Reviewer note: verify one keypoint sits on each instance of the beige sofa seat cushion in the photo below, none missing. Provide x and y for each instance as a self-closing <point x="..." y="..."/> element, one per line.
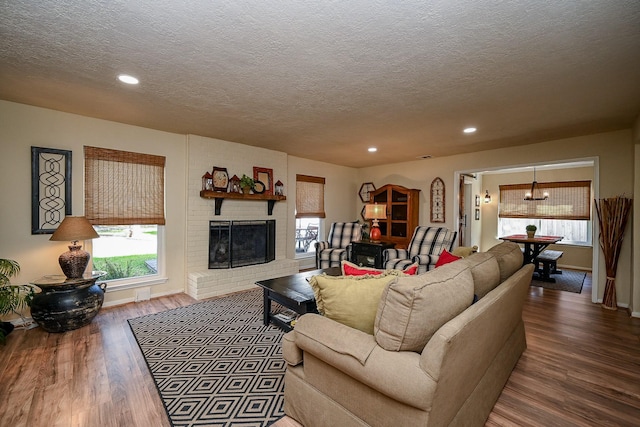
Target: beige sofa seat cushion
<point x="350" y="300"/>
<point x="485" y="271"/>
<point x="509" y="257"/>
<point x="413" y="308"/>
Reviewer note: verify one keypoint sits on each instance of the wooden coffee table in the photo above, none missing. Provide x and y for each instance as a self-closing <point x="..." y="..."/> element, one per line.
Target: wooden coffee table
<point x="292" y="292"/>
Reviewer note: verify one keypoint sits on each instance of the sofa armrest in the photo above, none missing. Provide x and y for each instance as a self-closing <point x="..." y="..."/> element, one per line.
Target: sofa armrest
<point x="320" y="332"/>
<point x="291" y="353"/>
<point x="321" y="246"/>
<point x="426" y="262"/>
<point x="396" y="374"/>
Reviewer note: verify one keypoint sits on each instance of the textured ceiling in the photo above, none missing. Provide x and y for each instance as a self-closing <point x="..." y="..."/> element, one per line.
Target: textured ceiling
<point x="327" y="79"/>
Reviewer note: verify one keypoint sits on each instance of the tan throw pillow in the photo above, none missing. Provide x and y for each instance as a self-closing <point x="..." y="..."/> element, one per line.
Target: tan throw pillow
<point x="485" y="272"/>
<point x="509" y="257"/>
<point x="352" y="301"/>
<point x="464" y="251"/>
<point x="413" y="308"/>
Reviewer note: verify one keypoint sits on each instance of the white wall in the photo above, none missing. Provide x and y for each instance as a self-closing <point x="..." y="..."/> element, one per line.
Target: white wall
<point x="23" y="126"/>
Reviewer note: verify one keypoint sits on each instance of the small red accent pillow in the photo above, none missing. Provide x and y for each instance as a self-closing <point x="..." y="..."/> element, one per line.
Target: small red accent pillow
<point x="446" y="258"/>
<point x="351" y="269"/>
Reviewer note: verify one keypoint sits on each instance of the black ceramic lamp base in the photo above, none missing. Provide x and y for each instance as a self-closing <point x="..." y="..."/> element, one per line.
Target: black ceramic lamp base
<point x="74" y="262"/>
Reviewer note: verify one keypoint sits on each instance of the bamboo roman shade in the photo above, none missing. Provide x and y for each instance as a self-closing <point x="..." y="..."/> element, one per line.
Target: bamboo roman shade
<point x="123" y="188"/>
<point x="567" y="200"/>
<point x="309" y="197"/>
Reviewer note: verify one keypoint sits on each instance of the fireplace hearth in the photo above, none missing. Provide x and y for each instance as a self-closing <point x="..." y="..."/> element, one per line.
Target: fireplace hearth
<point x="241" y="243"/>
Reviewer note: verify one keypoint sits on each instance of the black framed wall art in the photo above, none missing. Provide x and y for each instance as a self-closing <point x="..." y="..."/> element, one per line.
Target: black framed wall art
<point x="50" y="188"/>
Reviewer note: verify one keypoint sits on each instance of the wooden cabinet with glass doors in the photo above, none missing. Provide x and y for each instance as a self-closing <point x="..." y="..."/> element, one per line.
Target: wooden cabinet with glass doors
<point x="403" y="213"/>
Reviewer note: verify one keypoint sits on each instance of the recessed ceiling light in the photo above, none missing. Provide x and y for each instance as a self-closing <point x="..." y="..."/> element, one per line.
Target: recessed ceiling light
<point x="372" y="149"/>
<point x="469" y="130"/>
<point x="426" y="156"/>
<point x="130" y="80"/>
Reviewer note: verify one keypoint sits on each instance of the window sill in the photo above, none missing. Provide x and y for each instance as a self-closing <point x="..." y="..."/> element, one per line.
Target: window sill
<point x="133" y="283"/>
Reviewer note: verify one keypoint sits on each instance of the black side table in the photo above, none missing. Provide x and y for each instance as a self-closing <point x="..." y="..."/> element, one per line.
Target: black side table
<point x="368" y="253"/>
<point x="66" y="304"/>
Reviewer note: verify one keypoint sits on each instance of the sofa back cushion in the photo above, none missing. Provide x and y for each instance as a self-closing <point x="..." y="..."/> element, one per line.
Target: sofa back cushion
<point x="509" y="257"/>
<point x="350" y="300"/>
<point x="485" y="271"/>
<point x="413" y="308"/>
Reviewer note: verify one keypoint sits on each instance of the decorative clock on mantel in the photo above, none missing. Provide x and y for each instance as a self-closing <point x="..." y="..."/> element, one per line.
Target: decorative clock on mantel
<point x="220" y="179"/>
<point x="437" y="200"/>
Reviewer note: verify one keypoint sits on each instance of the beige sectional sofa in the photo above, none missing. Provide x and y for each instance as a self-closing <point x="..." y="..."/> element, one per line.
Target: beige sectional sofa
<point x="434" y="359"/>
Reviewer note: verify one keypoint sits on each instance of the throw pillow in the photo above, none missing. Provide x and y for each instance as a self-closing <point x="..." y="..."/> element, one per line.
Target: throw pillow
<point x="413" y="308"/>
<point x="464" y="251"/>
<point x="352" y="301"/>
<point x="446" y="258"/>
<point x="351" y="269"/>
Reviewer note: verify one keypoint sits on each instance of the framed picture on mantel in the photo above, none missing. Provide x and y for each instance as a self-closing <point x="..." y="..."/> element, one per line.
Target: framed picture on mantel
<point x="265" y="176"/>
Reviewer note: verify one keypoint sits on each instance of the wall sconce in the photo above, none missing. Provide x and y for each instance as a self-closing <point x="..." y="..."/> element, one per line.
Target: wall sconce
<point x="487" y="197"/>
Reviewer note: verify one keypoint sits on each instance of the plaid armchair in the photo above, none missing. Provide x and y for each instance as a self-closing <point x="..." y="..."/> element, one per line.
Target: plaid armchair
<point x="338" y="245"/>
<point x="425" y="248"/>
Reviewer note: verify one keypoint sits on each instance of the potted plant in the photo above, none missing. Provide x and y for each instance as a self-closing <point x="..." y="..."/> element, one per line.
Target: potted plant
<point x="531" y="230"/>
<point x="246" y="183"/>
<point x="12" y="297"/>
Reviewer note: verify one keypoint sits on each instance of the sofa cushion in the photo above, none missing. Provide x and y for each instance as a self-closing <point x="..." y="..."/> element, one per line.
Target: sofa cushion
<point x="351" y="269"/>
<point x="350" y="300"/>
<point x="509" y="257"/>
<point x="445" y="258"/>
<point x="413" y="308"/>
<point x="485" y="272"/>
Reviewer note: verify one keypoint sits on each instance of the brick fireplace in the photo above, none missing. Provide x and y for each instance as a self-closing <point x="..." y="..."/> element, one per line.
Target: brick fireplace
<point x="203" y="154"/>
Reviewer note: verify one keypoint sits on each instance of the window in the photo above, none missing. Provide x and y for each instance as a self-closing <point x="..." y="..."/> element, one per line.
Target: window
<point x="567" y="200"/>
<point x="309" y="211"/>
<point x="124" y="200"/>
<point x="574" y="232"/>
<point x="309" y="197"/>
<point x="567" y="211"/>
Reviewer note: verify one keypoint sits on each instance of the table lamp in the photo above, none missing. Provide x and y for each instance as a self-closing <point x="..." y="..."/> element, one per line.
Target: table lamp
<point x="75" y="260"/>
<point x="375" y="212"/>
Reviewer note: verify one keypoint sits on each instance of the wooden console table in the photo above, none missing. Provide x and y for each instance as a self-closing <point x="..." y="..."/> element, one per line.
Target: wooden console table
<point x="219" y="196"/>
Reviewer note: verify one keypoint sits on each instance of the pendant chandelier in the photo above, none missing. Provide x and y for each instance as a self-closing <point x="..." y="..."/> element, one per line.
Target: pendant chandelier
<point x="535" y="193"/>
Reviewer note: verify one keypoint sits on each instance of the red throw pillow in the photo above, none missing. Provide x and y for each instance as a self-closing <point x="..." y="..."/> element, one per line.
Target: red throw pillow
<point x="411" y="270"/>
<point x="446" y="258"/>
<point x="351" y="269"/>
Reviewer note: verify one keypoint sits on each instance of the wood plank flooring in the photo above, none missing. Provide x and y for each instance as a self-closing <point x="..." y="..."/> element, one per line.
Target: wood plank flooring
<point x="581" y="368"/>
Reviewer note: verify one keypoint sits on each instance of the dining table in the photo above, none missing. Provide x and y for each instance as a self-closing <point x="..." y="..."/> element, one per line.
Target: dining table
<point x="533" y="246"/>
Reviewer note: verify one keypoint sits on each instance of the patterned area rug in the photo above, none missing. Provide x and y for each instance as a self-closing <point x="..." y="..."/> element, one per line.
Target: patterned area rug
<point x="570" y="281"/>
<point x="215" y="363"/>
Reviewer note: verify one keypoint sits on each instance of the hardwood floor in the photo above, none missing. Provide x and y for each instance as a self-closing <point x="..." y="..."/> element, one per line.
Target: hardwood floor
<point x="581" y="368"/>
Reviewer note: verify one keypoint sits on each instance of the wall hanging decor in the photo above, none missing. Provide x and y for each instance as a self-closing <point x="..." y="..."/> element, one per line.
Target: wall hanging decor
<point x="50" y="188"/>
<point x="437" y="200"/>
<point x="365" y="190"/>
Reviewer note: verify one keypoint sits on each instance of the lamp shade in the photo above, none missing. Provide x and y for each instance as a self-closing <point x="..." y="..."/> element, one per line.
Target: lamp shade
<point x="74" y="228"/>
<point x="375" y="211"/>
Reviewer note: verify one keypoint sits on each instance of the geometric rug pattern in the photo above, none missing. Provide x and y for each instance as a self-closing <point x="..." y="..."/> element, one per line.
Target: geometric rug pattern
<point x="569" y="280"/>
<point x="215" y="363"/>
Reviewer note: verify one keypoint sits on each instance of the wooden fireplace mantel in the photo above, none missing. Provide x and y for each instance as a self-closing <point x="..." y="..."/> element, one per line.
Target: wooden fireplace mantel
<point x="219" y="196"/>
